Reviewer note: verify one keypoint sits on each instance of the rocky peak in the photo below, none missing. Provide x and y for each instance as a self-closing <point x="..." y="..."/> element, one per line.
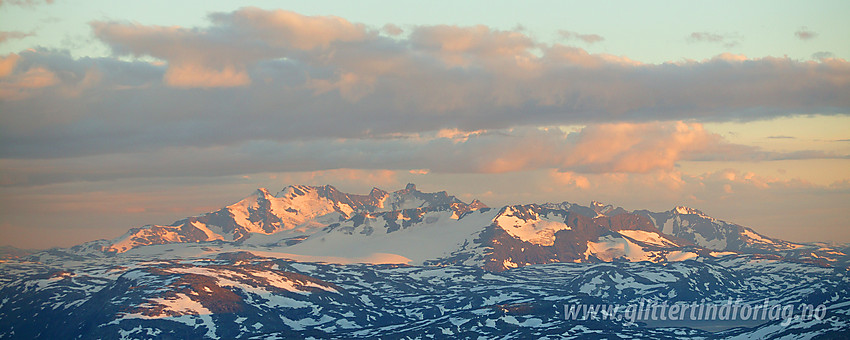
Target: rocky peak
<point x="476" y="204"/>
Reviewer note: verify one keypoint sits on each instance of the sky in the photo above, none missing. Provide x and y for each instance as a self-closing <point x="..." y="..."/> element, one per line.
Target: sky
<point x="113" y="116"/>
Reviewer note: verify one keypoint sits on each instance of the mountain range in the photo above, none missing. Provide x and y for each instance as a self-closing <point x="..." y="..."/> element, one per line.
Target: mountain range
<point x="413" y="227"/>
<point x="314" y="262"/>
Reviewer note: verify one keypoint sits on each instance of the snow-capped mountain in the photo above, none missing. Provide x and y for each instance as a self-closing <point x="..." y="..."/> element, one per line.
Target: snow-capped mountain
<point x="296" y="208"/>
<point x="708" y="232"/>
<point x="413" y="227"/>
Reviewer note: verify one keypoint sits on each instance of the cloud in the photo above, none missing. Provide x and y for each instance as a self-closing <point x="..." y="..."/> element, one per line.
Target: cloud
<point x="774" y="207"/>
<point x="25" y="3"/>
<point x="356" y="177"/>
<point x="280" y="77"/>
<point x="392" y="30"/>
<point x="290" y="30"/>
<point x="605" y="148"/>
<point x="727" y="40"/>
<point x="9" y="35"/>
<point x="7" y="64"/>
<point x="195" y="59"/>
<point x="781" y="137"/>
<point x="569" y="178"/>
<point x="587" y="38"/>
<point x="823" y="55"/>
<point x="476" y="45"/>
<point x="26" y="85"/>
<point x="805" y="34"/>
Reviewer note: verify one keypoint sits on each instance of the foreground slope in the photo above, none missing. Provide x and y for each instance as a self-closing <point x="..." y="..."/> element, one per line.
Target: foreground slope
<point x="240" y="295"/>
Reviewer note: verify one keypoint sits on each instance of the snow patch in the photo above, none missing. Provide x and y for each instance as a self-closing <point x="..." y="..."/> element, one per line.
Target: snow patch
<point x="647" y="237"/>
<point x="540" y="230"/>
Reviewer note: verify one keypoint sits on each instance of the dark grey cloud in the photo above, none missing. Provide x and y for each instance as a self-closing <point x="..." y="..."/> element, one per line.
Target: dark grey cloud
<point x="781" y="137"/>
<point x="822" y="55"/>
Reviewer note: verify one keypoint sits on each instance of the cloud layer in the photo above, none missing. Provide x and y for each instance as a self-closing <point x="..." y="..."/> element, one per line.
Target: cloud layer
<point x="596" y="149"/>
<point x="256" y="75"/>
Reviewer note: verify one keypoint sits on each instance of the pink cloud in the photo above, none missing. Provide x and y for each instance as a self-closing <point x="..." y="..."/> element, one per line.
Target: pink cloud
<point x="292" y="30"/>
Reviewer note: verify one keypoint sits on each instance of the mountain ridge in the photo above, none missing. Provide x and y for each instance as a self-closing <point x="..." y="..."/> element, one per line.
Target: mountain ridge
<point x="438" y="228"/>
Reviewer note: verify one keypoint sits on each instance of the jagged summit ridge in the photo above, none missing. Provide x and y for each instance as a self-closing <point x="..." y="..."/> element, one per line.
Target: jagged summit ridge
<point x="295" y="208"/>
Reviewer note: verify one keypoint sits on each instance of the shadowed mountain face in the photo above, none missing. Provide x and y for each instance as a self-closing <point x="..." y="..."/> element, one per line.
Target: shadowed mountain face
<point x="414" y="227"/>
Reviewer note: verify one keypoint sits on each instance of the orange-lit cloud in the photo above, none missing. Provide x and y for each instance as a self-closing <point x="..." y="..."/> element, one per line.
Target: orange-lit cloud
<point x="460" y="46"/>
<point x="195" y="59"/>
<point x="7" y="64"/>
<point x="199" y="76"/>
<point x="567" y="178"/>
<point x="22" y="86"/>
<point x="457" y="135"/>
<point x="627" y="147"/>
